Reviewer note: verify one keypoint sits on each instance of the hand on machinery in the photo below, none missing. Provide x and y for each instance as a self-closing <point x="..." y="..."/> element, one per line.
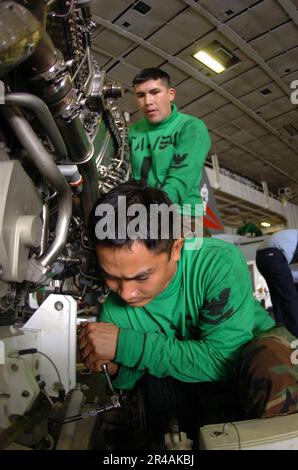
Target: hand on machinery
<point x="98" y="343"/>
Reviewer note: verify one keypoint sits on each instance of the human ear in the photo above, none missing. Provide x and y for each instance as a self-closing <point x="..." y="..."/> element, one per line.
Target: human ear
<point x="172" y="94"/>
<point x="176" y="249"/>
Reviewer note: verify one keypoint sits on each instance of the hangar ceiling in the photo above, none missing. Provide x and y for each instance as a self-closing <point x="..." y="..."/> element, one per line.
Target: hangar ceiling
<point x="248" y="108"/>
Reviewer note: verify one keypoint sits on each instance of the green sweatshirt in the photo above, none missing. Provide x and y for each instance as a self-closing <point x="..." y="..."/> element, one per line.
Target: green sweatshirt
<point x="170" y="155"/>
<point x="194" y="329"/>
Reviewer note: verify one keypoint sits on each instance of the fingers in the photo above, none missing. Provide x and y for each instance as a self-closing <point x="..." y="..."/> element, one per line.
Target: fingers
<point x="85" y="331"/>
<point x="86" y="350"/>
<point x="97" y="343"/>
<point x="85" y="327"/>
<point x="92" y="362"/>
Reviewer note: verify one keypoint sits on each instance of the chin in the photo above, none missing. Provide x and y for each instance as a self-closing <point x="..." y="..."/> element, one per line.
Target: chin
<point x="141" y="303"/>
<point x="155" y="120"/>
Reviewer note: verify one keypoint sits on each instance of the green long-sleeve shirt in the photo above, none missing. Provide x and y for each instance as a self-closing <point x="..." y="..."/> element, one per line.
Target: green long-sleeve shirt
<point x="194" y="329"/>
<point x="170" y="155"/>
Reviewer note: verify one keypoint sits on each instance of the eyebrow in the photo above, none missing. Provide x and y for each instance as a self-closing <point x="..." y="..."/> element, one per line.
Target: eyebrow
<point x="153" y="90"/>
<point x="129" y="278"/>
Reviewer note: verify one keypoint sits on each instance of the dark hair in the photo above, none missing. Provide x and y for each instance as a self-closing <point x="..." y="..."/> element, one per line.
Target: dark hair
<point x="135" y="192"/>
<point x="152" y="74"/>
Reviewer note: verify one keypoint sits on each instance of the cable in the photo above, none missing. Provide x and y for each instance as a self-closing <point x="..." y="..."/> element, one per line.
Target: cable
<point x="53" y="363"/>
<point x="23" y="352"/>
<point x="224" y="431"/>
<point x="64" y="15"/>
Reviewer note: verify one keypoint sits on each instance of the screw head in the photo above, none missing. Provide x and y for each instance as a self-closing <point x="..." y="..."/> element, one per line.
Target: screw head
<point x="58" y="306"/>
<point x="14" y="367"/>
<point x="13" y="418"/>
<point x="25" y="394"/>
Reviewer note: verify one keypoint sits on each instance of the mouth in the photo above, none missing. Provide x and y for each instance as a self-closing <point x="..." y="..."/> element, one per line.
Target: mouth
<point x="151" y="111"/>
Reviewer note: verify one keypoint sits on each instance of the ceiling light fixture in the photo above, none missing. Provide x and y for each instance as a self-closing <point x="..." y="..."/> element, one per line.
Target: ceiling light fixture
<point x="214" y="56"/>
<point x="207" y="60"/>
<point x="265" y="224"/>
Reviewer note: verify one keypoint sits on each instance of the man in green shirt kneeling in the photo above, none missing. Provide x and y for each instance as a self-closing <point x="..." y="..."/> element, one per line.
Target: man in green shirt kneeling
<point x="185" y="314"/>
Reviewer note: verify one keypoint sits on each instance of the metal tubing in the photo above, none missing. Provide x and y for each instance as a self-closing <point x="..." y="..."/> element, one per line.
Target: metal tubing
<point x="45" y="164"/>
<point x="45" y="229"/>
<point x="43" y="113"/>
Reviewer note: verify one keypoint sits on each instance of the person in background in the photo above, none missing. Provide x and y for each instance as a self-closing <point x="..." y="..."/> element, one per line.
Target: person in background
<point x="168" y="148"/>
<point x="273" y="260"/>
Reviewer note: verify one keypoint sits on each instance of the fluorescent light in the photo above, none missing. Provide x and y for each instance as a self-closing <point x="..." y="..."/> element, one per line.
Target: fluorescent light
<point x="209" y="61"/>
<point x="265" y="224"/>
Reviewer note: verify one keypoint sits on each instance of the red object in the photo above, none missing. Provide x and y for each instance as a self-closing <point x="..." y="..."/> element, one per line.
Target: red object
<point x="211" y="221"/>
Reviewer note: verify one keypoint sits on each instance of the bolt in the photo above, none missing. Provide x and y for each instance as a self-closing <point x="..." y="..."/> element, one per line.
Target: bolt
<point x="14" y="418"/>
<point x="14" y="367"/>
<point x="58" y="306"/>
<point x="25" y="394"/>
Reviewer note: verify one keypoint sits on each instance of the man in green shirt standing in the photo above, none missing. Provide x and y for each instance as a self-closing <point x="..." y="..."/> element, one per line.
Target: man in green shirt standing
<point x="168" y="148"/>
<point x="189" y="315"/>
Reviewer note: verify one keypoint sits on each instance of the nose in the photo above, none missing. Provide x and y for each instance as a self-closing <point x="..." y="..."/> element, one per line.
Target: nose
<point x="127" y="291"/>
<point x="148" y="99"/>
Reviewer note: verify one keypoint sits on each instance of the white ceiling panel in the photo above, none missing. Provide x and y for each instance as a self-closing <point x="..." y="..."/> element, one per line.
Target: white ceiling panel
<point x="230" y="111"/>
<point x="109" y="9"/>
<point x="279" y="106"/>
<point x="225" y="10"/>
<point x="235" y="153"/>
<point x="258" y="131"/>
<point x="288" y="78"/>
<point x="185" y="28"/>
<point x="285" y="119"/>
<point x="176" y="74"/>
<point x="143" y="58"/>
<point x="190" y="90"/>
<point x="242" y="137"/>
<point x="213" y="121"/>
<point x="256" y="77"/>
<point x="255" y="145"/>
<point x="277" y="41"/>
<point x="285" y="63"/>
<point x="222" y="145"/>
<point x="229" y="129"/>
<point x="112" y="42"/>
<point x="124" y="71"/>
<point x="260" y="18"/>
<point x="205" y="104"/>
<point x="253" y="100"/>
<point x="144" y="25"/>
<point x="237" y="87"/>
<point x="245" y="122"/>
<point x="164" y="10"/>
